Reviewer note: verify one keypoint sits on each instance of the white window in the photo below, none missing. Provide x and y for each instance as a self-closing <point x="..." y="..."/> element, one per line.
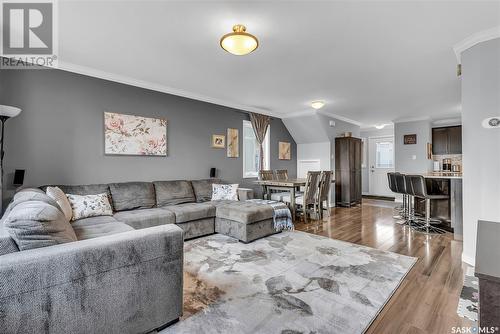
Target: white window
<point x="384" y="155"/>
<point x="251" y="151"/>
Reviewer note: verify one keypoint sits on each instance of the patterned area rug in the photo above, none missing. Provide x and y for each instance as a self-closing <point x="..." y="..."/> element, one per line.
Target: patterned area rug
<point x="292" y="282"/>
<point x="469" y="297"/>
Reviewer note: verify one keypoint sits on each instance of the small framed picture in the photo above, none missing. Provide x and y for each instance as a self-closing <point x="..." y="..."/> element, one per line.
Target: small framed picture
<point x="410" y="139"/>
<point x="284" y="152"/>
<point x="218" y="141"/>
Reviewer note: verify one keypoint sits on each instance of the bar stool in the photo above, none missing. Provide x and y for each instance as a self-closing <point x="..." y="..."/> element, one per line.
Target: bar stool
<point x="391" y="177"/>
<point x="400" y="187"/>
<point x="419" y="189"/>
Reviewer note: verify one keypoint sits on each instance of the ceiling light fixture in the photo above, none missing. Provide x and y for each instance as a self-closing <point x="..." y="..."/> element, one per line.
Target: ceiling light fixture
<point x="317" y="104"/>
<point x="380" y="126"/>
<point x="239" y="42"/>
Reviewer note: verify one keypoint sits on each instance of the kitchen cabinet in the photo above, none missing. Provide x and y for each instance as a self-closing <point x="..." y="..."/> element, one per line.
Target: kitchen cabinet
<point x="447" y="140"/>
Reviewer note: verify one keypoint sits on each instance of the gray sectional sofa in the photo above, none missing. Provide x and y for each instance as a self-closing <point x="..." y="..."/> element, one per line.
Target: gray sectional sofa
<point x="124" y="272"/>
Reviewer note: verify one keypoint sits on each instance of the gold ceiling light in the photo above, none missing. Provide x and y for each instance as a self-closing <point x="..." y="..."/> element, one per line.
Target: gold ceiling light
<point x="239" y="42"/>
<point x="317" y="104"/>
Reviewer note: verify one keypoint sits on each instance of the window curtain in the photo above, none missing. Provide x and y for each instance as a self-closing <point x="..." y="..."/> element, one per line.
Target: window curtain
<point x="260" y="124"/>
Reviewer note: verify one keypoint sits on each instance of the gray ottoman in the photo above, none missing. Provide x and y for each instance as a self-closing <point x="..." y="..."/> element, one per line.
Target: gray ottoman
<point x="244" y="220"/>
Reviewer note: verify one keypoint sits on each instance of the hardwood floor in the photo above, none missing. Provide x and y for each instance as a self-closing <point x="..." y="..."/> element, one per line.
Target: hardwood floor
<point x="426" y="301"/>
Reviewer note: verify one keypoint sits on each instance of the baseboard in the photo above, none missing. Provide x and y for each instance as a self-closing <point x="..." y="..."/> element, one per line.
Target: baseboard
<point x="468" y="260"/>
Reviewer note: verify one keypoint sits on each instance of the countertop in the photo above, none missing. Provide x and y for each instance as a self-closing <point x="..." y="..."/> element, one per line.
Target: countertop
<point x="442" y="175"/>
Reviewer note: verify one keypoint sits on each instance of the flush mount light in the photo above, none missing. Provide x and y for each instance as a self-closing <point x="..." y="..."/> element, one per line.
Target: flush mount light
<point x="380" y="126"/>
<point x="317" y="104"/>
<point x="239" y="42"/>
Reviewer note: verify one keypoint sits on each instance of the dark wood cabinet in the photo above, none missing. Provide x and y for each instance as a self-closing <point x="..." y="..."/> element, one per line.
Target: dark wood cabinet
<point x="447" y="140"/>
<point x="347" y="171"/>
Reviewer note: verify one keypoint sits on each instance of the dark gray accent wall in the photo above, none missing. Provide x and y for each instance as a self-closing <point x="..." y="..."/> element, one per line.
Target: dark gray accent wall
<point x="58" y="138"/>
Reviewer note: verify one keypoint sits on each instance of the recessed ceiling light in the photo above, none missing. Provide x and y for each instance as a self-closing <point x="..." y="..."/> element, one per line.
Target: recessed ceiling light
<point x="317" y="104"/>
<point x="380" y="126"/>
<point x="239" y="42"/>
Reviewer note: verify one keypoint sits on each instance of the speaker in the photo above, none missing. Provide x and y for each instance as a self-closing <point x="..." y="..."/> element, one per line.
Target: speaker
<point x="212" y="172"/>
<point x="18" y="177"/>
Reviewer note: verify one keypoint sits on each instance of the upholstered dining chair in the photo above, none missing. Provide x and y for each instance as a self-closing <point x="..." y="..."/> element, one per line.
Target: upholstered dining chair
<point x="281" y="174"/>
<point x="266" y="175"/>
<point x="307" y="202"/>
<point x="324" y="191"/>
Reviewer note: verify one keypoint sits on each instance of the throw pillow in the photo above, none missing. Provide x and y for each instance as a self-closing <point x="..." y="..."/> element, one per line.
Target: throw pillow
<point x="62" y="200"/>
<point x="85" y="206"/>
<point x="224" y="192"/>
<point x="35" y="224"/>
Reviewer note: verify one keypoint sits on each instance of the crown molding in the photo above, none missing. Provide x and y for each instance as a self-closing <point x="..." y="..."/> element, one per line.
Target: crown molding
<point x="475" y="39"/>
<point x="91" y="72"/>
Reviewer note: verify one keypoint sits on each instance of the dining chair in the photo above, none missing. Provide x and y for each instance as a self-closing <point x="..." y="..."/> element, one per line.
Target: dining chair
<point x="324" y="191"/>
<point x="307" y="202"/>
<point x="266" y="175"/>
<point x="281" y="174"/>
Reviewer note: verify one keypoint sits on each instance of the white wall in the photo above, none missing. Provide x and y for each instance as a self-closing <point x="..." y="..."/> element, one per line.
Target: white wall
<point x="316" y="151"/>
<point x="480" y="146"/>
<point x="412" y="158"/>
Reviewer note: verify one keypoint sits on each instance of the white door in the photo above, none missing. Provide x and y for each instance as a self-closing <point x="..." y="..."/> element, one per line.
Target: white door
<point x="381" y="162"/>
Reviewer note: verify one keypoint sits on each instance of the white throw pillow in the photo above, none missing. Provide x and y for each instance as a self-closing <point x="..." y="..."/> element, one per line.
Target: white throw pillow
<point x="61" y="199"/>
<point x="90" y="206"/>
<point x="225" y="192"/>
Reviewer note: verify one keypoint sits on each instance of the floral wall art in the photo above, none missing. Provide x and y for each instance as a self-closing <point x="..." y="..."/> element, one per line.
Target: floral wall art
<point x="134" y="135"/>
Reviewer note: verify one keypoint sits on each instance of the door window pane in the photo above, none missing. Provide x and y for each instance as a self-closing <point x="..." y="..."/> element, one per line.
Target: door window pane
<point x="384" y="155"/>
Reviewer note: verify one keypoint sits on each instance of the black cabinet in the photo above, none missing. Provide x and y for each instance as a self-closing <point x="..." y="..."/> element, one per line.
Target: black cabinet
<point x="447" y="140"/>
<point x="347" y="171"/>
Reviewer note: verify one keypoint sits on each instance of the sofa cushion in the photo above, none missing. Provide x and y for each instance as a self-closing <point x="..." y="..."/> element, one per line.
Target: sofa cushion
<point x="7" y="244"/>
<point x="143" y="218"/>
<point x="203" y="189"/>
<point x="244" y="212"/>
<point x="132" y="195"/>
<point x="86" y="189"/>
<point x="93" y="227"/>
<point x="35" y="224"/>
<point x="191" y="211"/>
<point x="173" y="192"/>
<point x="29" y="194"/>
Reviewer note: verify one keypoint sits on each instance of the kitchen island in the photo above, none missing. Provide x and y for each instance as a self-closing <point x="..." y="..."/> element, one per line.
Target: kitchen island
<point x="448" y="211"/>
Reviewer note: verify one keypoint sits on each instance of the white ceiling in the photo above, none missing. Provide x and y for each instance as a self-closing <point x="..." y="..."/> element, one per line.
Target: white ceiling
<point x="373" y="62"/>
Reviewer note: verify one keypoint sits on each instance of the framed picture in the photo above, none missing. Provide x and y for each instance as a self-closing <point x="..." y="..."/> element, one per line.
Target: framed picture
<point x="233" y="149"/>
<point x="218" y="141"/>
<point x="134" y="135"/>
<point x="410" y="139"/>
<point x="284" y="151"/>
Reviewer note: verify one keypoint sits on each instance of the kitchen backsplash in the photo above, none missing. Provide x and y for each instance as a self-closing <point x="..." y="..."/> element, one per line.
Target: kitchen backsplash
<point x="456" y="159"/>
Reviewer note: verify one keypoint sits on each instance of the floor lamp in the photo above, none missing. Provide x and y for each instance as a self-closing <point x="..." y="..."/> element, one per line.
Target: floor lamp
<point x="6" y="112"/>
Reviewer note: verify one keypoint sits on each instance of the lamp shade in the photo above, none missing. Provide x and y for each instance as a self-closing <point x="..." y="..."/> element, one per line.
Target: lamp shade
<point x="9" y="111"/>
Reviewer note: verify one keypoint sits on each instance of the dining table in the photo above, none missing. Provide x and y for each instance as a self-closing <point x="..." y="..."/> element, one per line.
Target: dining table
<point x="290" y="185"/>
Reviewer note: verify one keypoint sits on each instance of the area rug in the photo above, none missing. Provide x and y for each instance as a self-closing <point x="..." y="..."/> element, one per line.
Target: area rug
<point x="292" y="282"/>
<point x="469" y="297"/>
